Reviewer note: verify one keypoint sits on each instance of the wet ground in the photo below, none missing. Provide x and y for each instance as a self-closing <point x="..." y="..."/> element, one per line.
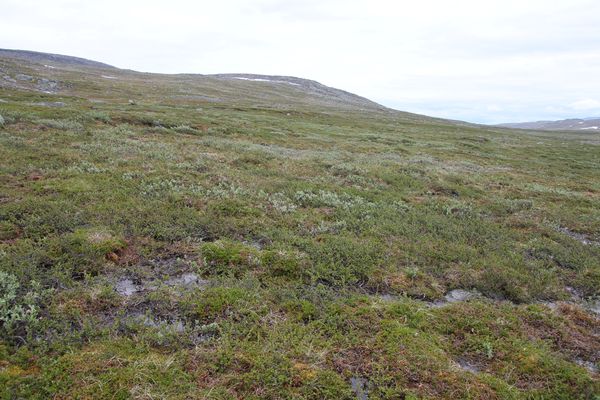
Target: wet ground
<point x="585" y="239"/>
<point x="359" y="387"/>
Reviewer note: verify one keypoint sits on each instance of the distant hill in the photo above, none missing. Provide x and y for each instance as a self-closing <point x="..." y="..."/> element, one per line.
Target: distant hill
<point x="38" y="57"/>
<point x="66" y="75"/>
<point x="575" y="124"/>
<point x="309" y="86"/>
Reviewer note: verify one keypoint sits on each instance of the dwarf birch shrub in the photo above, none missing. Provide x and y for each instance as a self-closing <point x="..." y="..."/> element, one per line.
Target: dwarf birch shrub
<point x="61" y="124"/>
<point x="16" y="310"/>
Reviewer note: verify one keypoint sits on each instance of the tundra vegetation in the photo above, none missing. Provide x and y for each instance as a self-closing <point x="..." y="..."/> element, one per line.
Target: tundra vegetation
<point x="248" y="242"/>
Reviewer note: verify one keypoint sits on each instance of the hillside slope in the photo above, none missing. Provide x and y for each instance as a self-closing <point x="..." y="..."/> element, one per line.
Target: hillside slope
<point x="211" y="237"/>
<point x="46" y="58"/>
<point x="71" y="75"/>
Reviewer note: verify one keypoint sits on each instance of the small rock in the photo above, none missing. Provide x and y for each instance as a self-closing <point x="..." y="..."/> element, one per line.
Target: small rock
<point x="50" y="104"/>
<point x="47" y="85"/>
<point x="23" y="77"/>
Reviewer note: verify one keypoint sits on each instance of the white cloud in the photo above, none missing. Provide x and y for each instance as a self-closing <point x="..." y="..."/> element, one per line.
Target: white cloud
<point x="586" y="104"/>
<point x="451" y="59"/>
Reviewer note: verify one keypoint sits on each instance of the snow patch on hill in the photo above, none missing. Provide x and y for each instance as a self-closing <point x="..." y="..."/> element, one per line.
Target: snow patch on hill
<point x="265" y="80"/>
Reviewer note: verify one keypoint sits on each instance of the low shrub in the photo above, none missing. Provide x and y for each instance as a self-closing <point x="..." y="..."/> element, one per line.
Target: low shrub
<point x="185" y="129"/>
<point x="301" y="310"/>
<point x="99" y="116"/>
<point x="228" y="257"/>
<point x="218" y="302"/>
<point x="18" y="311"/>
<point x="61" y="124"/>
<point x="85" y="251"/>
<point x="341" y="261"/>
<point x="284" y="263"/>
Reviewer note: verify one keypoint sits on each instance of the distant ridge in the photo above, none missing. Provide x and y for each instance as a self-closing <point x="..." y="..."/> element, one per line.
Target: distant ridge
<point x="307" y="85"/>
<point x="573" y="124"/>
<point x="34" y="56"/>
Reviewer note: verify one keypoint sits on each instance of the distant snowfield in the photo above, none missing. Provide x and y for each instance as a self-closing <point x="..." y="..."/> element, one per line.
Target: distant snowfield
<point x="109" y="77"/>
<point x="49" y="66"/>
<point x="265" y="80"/>
<point x="589" y="128"/>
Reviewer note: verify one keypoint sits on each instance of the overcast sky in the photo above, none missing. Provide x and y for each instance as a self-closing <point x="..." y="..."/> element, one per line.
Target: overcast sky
<point x="476" y="60"/>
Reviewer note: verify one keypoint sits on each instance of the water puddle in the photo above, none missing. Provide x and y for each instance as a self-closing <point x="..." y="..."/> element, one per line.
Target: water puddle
<point x="590" y="366"/>
<point x="461" y="295"/>
<point x="466" y="365"/>
<point x="187" y="279"/>
<point x="53" y="104"/>
<point x="453" y="296"/>
<point x="578" y="236"/>
<point x="388" y="297"/>
<point x="594" y="306"/>
<point x="359" y="387"/>
<point x="197" y="333"/>
<point x="457" y="295"/>
<point x="176" y="326"/>
<point x="126" y="287"/>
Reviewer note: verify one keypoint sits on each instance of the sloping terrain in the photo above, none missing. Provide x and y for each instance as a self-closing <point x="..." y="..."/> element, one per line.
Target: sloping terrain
<point x="211" y="237"/>
<point x="574" y="124"/>
<point x="49" y="73"/>
<point x="45" y="58"/>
